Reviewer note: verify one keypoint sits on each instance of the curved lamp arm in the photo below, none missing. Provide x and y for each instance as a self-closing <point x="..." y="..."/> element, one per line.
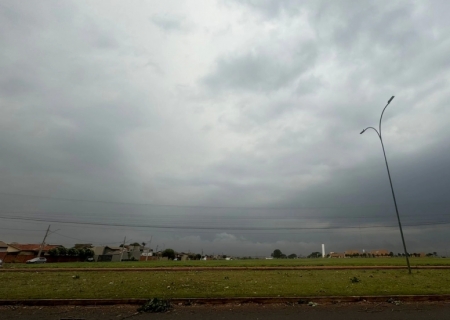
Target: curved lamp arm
<point x="379" y="125"/>
<point x="379" y="135"/>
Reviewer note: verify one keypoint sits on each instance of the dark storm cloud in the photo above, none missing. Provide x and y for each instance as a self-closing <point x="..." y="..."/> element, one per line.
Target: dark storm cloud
<point x="63" y="112"/>
<point x="283" y="99"/>
<point x="386" y="49"/>
<point x="262" y="71"/>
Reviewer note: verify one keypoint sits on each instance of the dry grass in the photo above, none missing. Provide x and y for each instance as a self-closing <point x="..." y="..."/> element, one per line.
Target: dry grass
<point x="193" y="284"/>
<point x="244" y="263"/>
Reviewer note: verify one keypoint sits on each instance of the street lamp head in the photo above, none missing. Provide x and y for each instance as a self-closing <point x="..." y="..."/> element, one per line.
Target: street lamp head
<point x="363" y="131"/>
<point x="392" y="98"/>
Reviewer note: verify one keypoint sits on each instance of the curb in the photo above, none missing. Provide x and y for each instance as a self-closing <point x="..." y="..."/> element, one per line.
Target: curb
<point x="221" y="301"/>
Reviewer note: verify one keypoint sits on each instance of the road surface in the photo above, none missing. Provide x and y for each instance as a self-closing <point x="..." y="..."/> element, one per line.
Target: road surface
<point x="363" y="311"/>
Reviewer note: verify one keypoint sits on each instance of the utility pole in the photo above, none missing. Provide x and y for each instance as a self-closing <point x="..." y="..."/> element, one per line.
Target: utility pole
<point x="123" y="247"/>
<point x="43" y="241"/>
<point x="148" y="251"/>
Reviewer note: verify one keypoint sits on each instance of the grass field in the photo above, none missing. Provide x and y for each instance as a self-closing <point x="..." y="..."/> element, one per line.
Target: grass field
<point x="244" y="263"/>
<point x="194" y="284"/>
<point x="220" y="283"/>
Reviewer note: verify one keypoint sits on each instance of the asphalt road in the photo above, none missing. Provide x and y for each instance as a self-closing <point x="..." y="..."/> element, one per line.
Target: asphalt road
<point x="363" y="311"/>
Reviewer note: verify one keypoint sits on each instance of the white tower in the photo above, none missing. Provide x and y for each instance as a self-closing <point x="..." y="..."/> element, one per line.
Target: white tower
<point x="323" y="250"/>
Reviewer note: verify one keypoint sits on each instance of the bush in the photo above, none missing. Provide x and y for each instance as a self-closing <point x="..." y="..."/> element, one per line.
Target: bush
<point x="169" y="253"/>
<point x="62" y="251"/>
<point x="88" y="253"/>
<point x="72" y="252"/>
<point x="81" y="253"/>
<point x="53" y="252"/>
<point x="156" y="305"/>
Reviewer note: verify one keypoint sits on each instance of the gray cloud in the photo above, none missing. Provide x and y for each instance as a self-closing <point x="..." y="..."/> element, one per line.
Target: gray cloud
<point x="169" y="22"/>
<point x="253" y="127"/>
<point x="262" y="71"/>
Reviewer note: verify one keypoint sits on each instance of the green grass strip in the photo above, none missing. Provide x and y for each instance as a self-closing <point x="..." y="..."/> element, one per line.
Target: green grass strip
<point x="243" y="263"/>
<point x="212" y="284"/>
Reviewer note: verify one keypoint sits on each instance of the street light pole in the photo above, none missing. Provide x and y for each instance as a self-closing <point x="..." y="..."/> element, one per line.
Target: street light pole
<point x="390" y="181"/>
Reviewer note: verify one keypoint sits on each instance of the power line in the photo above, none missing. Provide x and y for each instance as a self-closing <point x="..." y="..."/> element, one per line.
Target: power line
<point x="226" y="217"/>
<point x="15" y="229"/>
<point x="83" y="240"/>
<point x="218" y="228"/>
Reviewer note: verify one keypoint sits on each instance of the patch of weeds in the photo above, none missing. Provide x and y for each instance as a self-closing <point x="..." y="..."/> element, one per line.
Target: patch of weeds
<point x="76" y="277"/>
<point x="355" y="280"/>
<point x="396" y="302"/>
<point x="155" y="305"/>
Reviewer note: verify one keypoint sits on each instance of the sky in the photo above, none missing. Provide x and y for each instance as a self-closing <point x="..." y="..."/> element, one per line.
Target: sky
<point x="225" y="127"/>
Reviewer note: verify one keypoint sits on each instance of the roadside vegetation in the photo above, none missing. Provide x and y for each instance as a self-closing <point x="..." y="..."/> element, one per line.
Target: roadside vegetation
<point x="388" y="261"/>
<point x="209" y="284"/>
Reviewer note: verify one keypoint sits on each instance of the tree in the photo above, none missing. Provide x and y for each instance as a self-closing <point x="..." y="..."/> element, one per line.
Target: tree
<point x="292" y="256"/>
<point x="135" y="244"/>
<point x="62" y="251"/>
<point x="198" y="256"/>
<point x="315" y="255"/>
<point x="191" y="256"/>
<point x="81" y="253"/>
<point x="89" y="253"/>
<point x="72" y="252"/>
<point x="169" y="253"/>
<point x="277" y="254"/>
<point x="53" y="252"/>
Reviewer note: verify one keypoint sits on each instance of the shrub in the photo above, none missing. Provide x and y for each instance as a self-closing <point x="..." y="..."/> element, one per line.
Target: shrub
<point x="62" y="251"/>
<point x="169" y="253"/>
<point x="72" y="252"/>
<point x="156" y="305"/>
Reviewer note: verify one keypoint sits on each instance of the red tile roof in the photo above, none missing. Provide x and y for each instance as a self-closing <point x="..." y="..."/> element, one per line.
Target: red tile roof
<point x="33" y="247"/>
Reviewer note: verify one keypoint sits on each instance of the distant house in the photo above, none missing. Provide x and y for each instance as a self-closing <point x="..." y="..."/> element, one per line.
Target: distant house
<point x="3" y="250"/>
<point x="147" y="252"/>
<point x="148" y="255"/>
<point x="337" y="255"/>
<point x="17" y="252"/>
<point x="352" y="253"/>
<point x="29" y="249"/>
<point x="131" y="253"/>
<point x="182" y="256"/>
<point x="107" y="253"/>
<point x="83" y="246"/>
<point x="379" y="253"/>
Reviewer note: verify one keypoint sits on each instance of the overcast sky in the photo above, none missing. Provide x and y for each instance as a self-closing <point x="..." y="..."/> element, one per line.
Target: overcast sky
<point x="225" y="126"/>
